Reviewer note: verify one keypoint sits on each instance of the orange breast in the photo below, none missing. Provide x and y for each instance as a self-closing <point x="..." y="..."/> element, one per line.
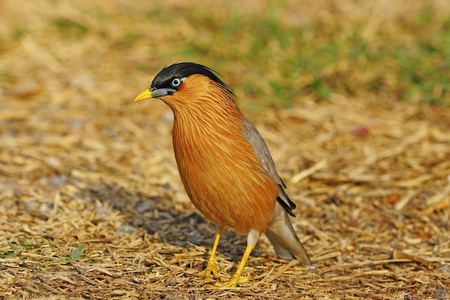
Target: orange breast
<point x="224" y="179"/>
<point x="219" y="168"/>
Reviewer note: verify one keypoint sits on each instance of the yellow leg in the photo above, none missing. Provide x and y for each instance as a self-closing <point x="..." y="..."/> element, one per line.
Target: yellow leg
<point x="236" y="278"/>
<point x="211" y="267"/>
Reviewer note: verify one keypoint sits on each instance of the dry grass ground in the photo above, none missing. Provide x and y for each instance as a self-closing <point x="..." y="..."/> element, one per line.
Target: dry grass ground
<point x="91" y="205"/>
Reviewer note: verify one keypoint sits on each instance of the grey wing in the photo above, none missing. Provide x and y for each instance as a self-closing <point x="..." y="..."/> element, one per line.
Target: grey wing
<point x="262" y="152"/>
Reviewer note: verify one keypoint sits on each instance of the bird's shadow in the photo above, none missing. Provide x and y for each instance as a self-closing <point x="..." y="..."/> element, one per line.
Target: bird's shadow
<point x="158" y="217"/>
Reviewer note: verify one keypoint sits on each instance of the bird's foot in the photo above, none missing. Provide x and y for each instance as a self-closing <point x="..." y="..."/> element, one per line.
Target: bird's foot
<point x="211" y="271"/>
<point x="233" y="282"/>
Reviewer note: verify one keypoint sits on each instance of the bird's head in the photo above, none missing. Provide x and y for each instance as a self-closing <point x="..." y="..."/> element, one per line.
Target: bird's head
<point x="186" y="83"/>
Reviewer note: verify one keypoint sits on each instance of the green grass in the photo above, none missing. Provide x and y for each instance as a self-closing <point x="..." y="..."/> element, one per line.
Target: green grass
<point x="70" y="28"/>
<point x="271" y="59"/>
<point x="16" y="250"/>
<point x="75" y="255"/>
<point x="319" y="60"/>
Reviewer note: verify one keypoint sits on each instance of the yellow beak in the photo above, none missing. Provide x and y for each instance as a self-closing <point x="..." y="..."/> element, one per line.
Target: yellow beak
<point x="144" y="95"/>
<point x="155" y="94"/>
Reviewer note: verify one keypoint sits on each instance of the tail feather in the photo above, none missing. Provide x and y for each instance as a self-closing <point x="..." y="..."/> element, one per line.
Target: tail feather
<point x="284" y="239"/>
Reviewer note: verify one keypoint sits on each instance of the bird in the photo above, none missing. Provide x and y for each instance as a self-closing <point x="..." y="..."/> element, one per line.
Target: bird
<point x="225" y="165"/>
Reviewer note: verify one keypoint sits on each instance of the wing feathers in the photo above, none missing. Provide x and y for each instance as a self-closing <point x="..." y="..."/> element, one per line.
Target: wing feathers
<point x="280" y="231"/>
<point x="262" y="152"/>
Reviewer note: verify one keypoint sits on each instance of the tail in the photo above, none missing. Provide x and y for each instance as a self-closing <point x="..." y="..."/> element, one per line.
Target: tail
<point x="284" y="239"/>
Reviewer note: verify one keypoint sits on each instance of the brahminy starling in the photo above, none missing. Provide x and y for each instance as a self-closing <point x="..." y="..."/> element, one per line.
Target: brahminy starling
<point x="224" y="164"/>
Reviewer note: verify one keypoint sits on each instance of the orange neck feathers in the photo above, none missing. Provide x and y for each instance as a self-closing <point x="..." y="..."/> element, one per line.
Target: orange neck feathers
<point x="201" y="97"/>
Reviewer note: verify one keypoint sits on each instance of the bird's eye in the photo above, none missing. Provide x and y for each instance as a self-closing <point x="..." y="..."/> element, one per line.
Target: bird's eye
<point x="176" y="82"/>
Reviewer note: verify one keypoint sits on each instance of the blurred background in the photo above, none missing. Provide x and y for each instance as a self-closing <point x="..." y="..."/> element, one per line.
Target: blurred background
<point x="271" y="52"/>
<point x="357" y="92"/>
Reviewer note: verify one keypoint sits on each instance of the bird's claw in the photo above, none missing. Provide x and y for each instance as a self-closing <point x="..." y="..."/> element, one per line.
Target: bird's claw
<point x="233" y="282"/>
<point x="211" y="271"/>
